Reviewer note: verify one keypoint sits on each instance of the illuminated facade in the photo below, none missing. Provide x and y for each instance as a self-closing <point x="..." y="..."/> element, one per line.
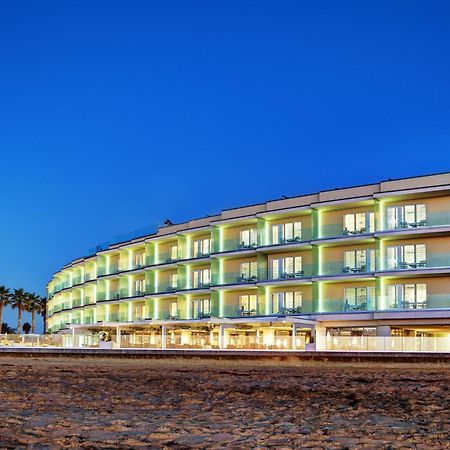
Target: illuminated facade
<point x="365" y="267"/>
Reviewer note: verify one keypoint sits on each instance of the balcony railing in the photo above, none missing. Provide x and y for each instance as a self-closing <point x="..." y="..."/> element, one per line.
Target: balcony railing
<point x="339" y="268"/>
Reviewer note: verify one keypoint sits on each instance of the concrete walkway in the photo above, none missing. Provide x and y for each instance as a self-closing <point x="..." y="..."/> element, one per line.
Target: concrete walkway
<point x="349" y="356"/>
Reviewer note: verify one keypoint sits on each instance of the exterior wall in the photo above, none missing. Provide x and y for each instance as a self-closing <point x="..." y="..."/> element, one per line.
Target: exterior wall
<point x="101" y="287"/>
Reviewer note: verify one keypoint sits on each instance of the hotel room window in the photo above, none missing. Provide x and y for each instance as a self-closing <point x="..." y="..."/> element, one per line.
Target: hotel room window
<point x="359" y="261"/>
<point x="287" y="302"/>
<point x="288" y="267"/>
<point x="202" y="247"/>
<point x="249" y="271"/>
<point x="407" y="296"/>
<point x="407" y="216"/>
<point x="248" y="304"/>
<point x="248" y="238"/>
<point x="359" y="223"/>
<point x="201" y="278"/>
<point x="286" y="233"/>
<point x="406" y="256"/>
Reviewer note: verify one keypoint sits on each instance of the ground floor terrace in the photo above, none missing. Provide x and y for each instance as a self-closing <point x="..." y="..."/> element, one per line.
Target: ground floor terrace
<point x="421" y="331"/>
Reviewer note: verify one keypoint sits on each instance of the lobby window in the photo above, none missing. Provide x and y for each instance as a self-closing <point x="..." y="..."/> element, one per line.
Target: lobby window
<point x="359" y="223"/>
<point x="356" y="261"/>
<point x="173" y="280"/>
<point x="201" y="278"/>
<point x="407" y="216"/>
<point x="406" y="256"/>
<point x="248" y="239"/>
<point x="249" y="271"/>
<point x="407" y="296"/>
<point x="202" y="247"/>
<point x="248" y="304"/>
<point x="289" y="267"/>
<point x="286" y="233"/>
<point x="201" y="308"/>
<point x="358" y="298"/>
<point x="287" y="302"/>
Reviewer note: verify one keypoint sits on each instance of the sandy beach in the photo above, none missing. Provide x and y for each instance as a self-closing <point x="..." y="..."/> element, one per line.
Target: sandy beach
<point x="179" y="404"/>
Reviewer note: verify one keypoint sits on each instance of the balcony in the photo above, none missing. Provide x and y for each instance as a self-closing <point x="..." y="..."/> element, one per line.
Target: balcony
<point x="339" y="268"/>
<point x="76" y="281"/>
<point x="236" y="278"/>
<point x="235" y="245"/>
<point x="76" y="302"/>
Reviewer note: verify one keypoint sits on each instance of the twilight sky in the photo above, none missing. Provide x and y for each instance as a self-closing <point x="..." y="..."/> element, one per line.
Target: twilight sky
<point x="115" y="115"/>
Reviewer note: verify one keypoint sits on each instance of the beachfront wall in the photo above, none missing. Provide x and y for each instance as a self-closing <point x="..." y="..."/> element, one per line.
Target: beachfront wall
<point x="336" y="259"/>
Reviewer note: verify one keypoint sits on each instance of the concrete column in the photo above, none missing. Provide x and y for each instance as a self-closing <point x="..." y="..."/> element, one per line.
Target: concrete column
<point x="118" y="337"/>
<point x="222" y="343"/>
<point x="164" y="337"/>
<point x="294" y="336"/>
<point x="74" y="343"/>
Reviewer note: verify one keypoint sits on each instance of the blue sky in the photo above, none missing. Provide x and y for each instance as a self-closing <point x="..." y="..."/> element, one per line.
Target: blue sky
<point x="116" y="115"/>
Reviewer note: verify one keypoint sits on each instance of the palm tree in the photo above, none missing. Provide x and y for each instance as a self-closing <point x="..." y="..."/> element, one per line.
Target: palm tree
<point x="42" y="310"/>
<point x="5" y="300"/>
<point x="33" y="306"/>
<point x="19" y="301"/>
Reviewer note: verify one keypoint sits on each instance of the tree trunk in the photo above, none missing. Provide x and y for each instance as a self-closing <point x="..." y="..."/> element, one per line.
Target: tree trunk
<point x="19" y="320"/>
<point x="1" y="317"/>
<point x="33" y="322"/>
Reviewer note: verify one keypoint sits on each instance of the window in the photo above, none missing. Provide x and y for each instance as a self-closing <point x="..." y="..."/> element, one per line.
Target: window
<point x="249" y="271"/>
<point x="288" y="267"/>
<point x="139" y="287"/>
<point x="287" y="303"/>
<point x="173" y="280"/>
<point x="173" y="310"/>
<point x="286" y="233"/>
<point x="248" y="304"/>
<point x="359" y="261"/>
<point x="358" y="298"/>
<point x="359" y="223"/>
<point x="174" y="252"/>
<point x="407" y="216"/>
<point x="202" y="247"/>
<point x="407" y="296"/>
<point x="201" y="308"/>
<point x="248" y="238"/>
<point x="138" y="260"/>
<point x="201" y="278"/>
<point x="406" y="256"/>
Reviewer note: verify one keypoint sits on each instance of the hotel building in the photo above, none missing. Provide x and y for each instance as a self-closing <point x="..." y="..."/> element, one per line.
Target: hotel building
<point x="360" y="268"/>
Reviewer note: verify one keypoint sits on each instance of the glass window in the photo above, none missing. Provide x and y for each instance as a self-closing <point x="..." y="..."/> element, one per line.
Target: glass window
<point x="201" y="278"/>
<point x="249" y="269"/>
<point x="248" y="303"/>
<point x="287" y="302"/>
<point x="289" y="266"/>
<point x="173" y="309"/>
<point x="359" y="260"/>
<point x="174" y="252"/>
<point x="173" y="280"/>
<point x="248" y="238"/>
<point x="201" y="308"/>
<point x="286" y="232"/>
<point x="407" y="296"/>
<point x="202" y="247"/>
<point x="359" y="223"/>
<point x="407" y="216"/>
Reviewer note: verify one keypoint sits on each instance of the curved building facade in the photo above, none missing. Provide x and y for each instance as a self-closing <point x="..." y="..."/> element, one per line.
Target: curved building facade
<point x="365" y="267"/>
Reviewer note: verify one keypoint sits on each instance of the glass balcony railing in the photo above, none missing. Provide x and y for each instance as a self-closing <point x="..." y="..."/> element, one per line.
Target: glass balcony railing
<point x="167" y="315"/>
<point x="305" y="272"/>
<point x="76" y="302"/>
<point x="88" y="276"/>
<point x="339" y="268"/>
<point x="88" y="320"/>
<point x="88" y="300"/>
<point x="76" y="280"/>
<point x="230" y="245"/>
<point x="235" y="278"/>
<point x="239" y="311"/>
<point x="432" y="261"/>
<point x="166" y="258"/>
<point x="165" y="287"/>
<point x="337" y="230"/>
<point x="305" y="235"/>
<point x="116" y="317"/>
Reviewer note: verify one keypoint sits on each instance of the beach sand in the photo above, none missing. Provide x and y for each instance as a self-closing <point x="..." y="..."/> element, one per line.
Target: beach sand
<point x="179" y="404"/>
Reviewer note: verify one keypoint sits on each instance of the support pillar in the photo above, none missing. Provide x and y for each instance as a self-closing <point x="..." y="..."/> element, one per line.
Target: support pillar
<point x="320" y="338"/>
<point x="221" y="336"/>
<point x="294" y="336"/>
<point x="118" y="337"/>
<point x="383" y="337"/>
<point x="164" y="337"/>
